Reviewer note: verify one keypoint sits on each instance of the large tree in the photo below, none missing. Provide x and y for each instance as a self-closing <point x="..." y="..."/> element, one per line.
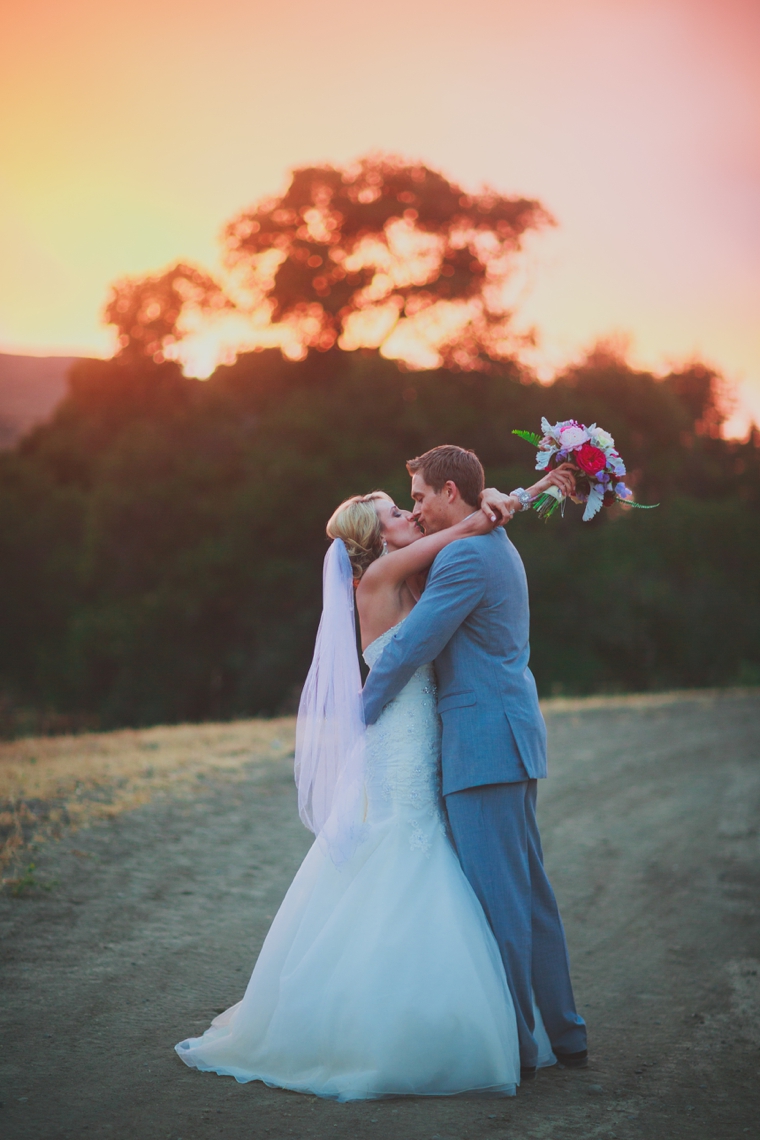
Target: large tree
<point x="383" y="254"/>
<point x="147" y="312"/>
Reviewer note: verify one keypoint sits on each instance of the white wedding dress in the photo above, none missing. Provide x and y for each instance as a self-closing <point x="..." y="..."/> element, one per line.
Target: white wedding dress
<point x="379" y="977"/>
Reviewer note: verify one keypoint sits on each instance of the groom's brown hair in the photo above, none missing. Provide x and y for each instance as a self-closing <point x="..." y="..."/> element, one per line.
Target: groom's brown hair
<point x="448" y="462"/>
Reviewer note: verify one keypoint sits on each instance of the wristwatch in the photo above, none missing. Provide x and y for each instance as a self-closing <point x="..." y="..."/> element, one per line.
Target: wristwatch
<point x="523" y="497"/>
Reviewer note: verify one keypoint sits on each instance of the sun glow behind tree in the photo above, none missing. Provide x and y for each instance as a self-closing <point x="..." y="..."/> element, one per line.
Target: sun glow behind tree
<point x="382" y="254"/>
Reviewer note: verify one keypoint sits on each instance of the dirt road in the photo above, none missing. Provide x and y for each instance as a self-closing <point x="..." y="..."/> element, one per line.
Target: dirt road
<point x="651" y="824"/>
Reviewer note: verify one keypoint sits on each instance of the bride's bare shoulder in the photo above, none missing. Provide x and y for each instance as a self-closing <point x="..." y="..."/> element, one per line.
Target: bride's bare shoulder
<point x="369" y="580"/>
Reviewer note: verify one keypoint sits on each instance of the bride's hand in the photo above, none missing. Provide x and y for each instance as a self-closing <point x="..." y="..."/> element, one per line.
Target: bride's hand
<point x="562" y="477"/>
<point x="479" y="522"/>
<point x="497" y="507"/>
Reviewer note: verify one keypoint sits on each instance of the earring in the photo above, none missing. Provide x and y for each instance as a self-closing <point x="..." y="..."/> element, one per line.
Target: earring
<point x="385" y="547"/>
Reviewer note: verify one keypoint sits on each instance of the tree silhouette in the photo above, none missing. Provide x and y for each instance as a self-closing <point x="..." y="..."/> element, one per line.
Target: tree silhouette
<point x="147" y="311"/>
<point x="355" y="256"/>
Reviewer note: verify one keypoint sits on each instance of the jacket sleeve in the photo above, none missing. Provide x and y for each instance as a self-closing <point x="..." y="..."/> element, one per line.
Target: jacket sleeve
<point x="455" y="586"/>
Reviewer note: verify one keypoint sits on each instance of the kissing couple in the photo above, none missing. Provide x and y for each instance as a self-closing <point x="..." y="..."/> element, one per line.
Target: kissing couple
<point x="419" y="949"/>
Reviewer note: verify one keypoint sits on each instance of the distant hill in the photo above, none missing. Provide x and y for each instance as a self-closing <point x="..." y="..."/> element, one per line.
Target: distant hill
<point x="30" y="388"/>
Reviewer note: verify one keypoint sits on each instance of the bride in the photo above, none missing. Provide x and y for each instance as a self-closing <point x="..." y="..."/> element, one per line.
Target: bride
<point x="379" y="975"/>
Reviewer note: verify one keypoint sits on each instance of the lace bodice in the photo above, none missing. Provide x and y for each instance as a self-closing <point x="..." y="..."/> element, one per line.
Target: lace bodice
<point x="404" y="753"/>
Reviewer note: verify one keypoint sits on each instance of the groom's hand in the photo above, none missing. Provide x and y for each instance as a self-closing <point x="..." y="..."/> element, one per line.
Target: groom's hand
<point x="498" y="507"/>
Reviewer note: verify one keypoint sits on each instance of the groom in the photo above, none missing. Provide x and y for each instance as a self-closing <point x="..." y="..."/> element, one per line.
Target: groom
<point x="472" y="621"/>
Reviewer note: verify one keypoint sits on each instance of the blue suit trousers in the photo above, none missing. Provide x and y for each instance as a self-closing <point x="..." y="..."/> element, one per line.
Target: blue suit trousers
<point x="496" y="837"/>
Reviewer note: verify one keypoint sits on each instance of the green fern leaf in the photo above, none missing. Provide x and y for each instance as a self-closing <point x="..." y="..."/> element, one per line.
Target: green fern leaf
<point x="530" y="436"/>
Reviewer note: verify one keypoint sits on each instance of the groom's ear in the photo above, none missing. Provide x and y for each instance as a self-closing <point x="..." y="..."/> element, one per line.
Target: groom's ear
<point x="451" y="491"/>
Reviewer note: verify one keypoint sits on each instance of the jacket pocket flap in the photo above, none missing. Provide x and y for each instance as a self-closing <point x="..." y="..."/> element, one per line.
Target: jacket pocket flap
<point x="457" y="700"/>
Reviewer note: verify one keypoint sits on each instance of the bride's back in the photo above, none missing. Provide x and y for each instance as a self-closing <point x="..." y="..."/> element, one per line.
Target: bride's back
<point x="404" y="751"/>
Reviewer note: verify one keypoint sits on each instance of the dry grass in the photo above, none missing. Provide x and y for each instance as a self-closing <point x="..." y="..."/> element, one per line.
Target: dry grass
<point x="51" y="783"/>
<point x="48" y="783"/>
<point x="644" y="700"/>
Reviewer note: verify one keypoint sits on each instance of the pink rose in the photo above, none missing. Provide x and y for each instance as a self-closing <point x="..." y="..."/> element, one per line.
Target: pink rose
<point x="571" y="437"/>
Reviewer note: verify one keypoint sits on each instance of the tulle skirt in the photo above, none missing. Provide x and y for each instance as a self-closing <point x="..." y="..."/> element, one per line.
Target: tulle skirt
<point x="378" y="978"/>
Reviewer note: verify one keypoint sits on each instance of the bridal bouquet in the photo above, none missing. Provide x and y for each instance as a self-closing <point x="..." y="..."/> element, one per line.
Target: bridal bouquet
<point x="599" y="470"/>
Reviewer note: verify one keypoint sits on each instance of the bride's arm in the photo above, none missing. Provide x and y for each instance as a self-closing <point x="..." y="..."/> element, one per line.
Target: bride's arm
<point x="495" y="502"/>
<point x="394" y="568"/>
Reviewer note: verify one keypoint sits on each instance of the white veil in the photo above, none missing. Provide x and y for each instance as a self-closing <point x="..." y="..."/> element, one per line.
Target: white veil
<point x="330" y="731"/>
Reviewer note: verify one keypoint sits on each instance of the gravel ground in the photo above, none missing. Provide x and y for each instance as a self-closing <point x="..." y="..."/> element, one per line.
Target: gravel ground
<point x="153" y="919"/>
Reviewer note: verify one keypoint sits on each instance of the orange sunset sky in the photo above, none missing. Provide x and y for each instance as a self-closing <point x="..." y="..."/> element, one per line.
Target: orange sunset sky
<point x="131" y="132"/>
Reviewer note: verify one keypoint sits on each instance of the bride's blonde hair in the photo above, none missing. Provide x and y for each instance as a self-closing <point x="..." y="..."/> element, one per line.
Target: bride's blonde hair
<point x="357" y="522"/>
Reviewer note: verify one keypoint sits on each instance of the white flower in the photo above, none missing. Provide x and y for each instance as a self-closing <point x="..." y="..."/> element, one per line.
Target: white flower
<point x="571" y="437"/>
<point x="601" y="438"/>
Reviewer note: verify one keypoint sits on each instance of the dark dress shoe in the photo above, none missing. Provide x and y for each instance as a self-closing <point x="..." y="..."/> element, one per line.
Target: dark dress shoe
<point x="527" y="1073"/>
<point x="577" y="1060"/>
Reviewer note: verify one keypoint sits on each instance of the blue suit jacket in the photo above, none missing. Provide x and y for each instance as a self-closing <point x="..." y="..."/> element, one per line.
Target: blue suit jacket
<point x="473" y="622"/>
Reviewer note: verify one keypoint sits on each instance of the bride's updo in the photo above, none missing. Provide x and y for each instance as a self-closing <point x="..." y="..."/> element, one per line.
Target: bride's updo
<point x="357" y="522"/>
